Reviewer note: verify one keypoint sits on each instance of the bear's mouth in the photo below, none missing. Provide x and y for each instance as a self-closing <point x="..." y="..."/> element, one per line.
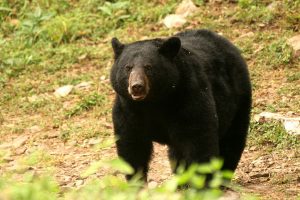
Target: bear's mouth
<point x="138" y="97"/>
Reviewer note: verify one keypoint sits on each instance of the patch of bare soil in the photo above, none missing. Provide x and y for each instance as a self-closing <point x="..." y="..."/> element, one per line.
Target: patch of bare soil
<point x="270" y="175"/>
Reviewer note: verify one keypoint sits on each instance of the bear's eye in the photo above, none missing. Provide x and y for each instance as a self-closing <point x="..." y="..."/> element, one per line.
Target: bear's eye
<point x="128" y="67"/>
<point x="148" y="67"/>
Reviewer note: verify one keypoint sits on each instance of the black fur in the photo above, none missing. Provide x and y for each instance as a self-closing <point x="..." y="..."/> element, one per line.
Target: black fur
<point x="198" y="104"/>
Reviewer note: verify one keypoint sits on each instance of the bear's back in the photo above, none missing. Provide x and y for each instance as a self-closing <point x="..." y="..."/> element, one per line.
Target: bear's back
<point x="221" y="63"/>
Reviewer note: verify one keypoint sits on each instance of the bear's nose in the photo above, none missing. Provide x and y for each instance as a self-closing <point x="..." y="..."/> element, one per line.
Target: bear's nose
<point x="137" y="88"/>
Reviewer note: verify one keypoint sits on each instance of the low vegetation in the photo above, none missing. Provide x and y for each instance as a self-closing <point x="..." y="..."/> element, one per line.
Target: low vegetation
<point x="46" y="44"/>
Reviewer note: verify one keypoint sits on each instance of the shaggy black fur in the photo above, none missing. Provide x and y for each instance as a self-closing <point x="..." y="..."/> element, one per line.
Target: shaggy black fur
<point x="198" y="103"/>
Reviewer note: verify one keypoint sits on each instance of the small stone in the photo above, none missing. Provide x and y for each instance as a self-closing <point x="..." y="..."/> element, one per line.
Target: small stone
<point x="108" y="125"/>
<point x="84" y="85"/>
<point x="79" y="182"/>
<point x="152" y="185"/>
<point x="35" y="129"/>
<point x="294" y="42"/>
<point x="102" y="78"/>
<point x="19" y="141"/>
<point x="63" y="91"/>
<point x="186" y="8"/>
<point x="72" y="143"/>
<point x="174" y="20"/>
<point x="253" y="148"/>
<point x="51" y="135"/>
<point x="292" y="126"/>
<point x="260" y="175"/>
<point x="94" y="141"/>
<point x="20" y="150"/>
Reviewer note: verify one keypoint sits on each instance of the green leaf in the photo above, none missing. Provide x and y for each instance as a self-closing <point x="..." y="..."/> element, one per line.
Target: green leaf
<point x="106" y="10"/>
<point x="227" y="174"/>
<point x="93" y="168"/>
<point x="120" y="165"/>
<point x="204" y="169"/>
<point x="216" y="164"/>
<point x="5" y="9"/>
<point x="198" y="181"/>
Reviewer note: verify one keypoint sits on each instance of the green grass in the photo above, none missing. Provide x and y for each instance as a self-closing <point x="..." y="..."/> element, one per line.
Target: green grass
<point x="86" y="104"/>
<point x="272" y="134"/>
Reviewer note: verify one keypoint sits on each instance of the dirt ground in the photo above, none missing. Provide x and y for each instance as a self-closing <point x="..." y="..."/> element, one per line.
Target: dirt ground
<point x="261" y="173"/>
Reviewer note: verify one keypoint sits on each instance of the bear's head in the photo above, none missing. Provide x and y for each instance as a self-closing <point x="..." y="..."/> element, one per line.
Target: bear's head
<point x="145" y="70"/>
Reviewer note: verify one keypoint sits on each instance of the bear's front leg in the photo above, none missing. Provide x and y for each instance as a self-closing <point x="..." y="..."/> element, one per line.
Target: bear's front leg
<point x="136" y="151"/>
<point x="132" y="144"/>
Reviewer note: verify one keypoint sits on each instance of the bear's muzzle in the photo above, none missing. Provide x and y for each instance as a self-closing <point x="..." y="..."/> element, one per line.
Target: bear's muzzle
<point x="138" y="84"/>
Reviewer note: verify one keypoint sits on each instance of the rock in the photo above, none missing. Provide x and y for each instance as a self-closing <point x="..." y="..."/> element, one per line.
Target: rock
<point x="94" y="141"/>
<point x="102" y="78"/>
<point x="84" y="85"/>
<point x="20" y="151"/>
<point x="265" y="116"/>
<point x="108" y="125"/>
<point x="294" y="42"/>
<point x="73" y="143"/>
<point x="174" y="20"/>
<point x="152" y="185"/>
<point x="260" y="175"/>
<point x="186" y="8"/>
<point x="63" y="91"/>
<point x="19" y="141"/>
<point x="253" y="148"/>
<point x="291" y="124"/>
<point x="79" y="182"/>
<point x="35" y="129"/>
<point x="51" y="135"/>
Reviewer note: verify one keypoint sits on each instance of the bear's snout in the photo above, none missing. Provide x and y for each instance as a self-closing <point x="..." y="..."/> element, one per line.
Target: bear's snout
<point x="138" y="88"/>
<point x="138" y="84"/>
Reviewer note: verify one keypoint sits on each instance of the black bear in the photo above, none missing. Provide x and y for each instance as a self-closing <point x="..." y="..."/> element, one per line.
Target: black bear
<point x="191" y="92"/>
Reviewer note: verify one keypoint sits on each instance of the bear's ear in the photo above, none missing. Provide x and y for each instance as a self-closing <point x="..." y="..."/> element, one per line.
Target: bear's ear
<point x="117" y="47"/>
<point x="170" y="47"/>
